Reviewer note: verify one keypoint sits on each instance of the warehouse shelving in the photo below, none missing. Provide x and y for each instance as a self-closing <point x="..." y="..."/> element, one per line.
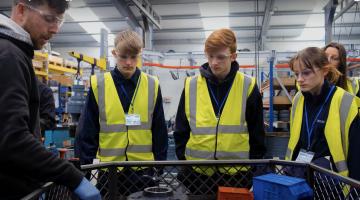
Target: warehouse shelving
<point x="275" y="102"/>
<point x="40" y="64"/>
<point x="54" y="68"/>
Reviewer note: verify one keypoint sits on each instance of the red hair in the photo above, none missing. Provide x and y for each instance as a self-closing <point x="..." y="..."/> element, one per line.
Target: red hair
<point x="219" y="39"/>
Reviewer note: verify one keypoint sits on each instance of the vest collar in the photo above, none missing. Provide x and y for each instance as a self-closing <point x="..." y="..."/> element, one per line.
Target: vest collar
<point x="119" y="78"/>
<point x="205" y="71"/>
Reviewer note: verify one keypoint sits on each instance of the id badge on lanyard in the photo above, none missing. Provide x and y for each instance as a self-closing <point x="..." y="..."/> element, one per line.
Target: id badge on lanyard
<point x="132" y="120"/>
<point x="305" y="156"/>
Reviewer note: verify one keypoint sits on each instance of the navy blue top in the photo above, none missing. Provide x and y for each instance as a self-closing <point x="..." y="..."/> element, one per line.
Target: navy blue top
<point x="87" y="137"/>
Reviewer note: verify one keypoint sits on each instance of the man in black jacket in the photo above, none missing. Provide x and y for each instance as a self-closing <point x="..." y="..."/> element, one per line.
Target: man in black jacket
<point x="203" y="132"/>
<point x="25" y="163"/>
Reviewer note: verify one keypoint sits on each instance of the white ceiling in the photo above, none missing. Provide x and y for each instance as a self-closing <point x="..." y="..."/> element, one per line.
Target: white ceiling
<point x="187" y="21"/>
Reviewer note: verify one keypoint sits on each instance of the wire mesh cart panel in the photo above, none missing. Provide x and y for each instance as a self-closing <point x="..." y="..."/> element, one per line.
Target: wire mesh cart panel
<point x="198" y="179"/>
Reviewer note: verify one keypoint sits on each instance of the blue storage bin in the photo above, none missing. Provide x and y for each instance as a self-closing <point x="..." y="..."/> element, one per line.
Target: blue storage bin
<point x="273" y="187"/>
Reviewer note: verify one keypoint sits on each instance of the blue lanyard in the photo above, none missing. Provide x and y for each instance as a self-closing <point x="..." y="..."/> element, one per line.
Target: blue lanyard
<point x="222" y="102"/>
<point x="134" y="95"/>
<point x="310" y="131"/>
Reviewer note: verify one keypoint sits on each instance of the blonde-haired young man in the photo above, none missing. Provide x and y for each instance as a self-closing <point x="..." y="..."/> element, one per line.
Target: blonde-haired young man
<point x="123" y="118"/>
<point x="229" y="122"/>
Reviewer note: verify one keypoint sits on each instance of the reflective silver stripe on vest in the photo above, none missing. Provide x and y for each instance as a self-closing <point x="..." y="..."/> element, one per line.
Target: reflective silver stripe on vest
<point x="192" y="107"/>
<point x="353" y="85"/>
<point x="111" y="152"/>
<point x="224" y="129"/>
<point x="101" y="98"/>
<point x="106" y="128"/>
<point x="232" y="129"/>
<point x="293" y="108"/>
<point x="345" y="106"/>
<point x="232" y="155"/>
<point x="219" y="154"/>
<point x="151" y="105"/>
<point x="246" y="86"/>
<point x="341" y="166"/>
<point x="199" y="154"/>
<point x="139" y="148"/>
<point x="288" y="153"/>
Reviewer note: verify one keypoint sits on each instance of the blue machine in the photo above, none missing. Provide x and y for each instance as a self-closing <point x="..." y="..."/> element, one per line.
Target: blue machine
<point x="56" y="137"/>
<point x="62" y="98"/>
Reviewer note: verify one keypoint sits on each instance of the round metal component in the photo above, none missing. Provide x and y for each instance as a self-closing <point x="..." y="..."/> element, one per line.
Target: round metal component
<point x="158" y="191"/>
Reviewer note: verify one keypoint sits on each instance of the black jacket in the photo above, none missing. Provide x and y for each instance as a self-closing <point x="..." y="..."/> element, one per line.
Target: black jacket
<point x="318" y="143"/>
<point x="87" y="136"/>
<point x="24" y="162"/>
<point x="253" y="115"/>
<point x="47" y="108"/>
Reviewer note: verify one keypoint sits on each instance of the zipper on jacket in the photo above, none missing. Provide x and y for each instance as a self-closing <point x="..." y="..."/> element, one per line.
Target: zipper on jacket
<point x="127" y="145"/>
<point x="216" y="136"/>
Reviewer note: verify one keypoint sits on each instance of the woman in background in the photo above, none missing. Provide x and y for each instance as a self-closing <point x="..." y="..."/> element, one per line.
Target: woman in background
<point x="336" y="55"/>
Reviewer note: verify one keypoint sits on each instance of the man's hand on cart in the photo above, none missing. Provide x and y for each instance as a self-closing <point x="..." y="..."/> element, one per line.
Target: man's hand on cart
<point x="86" y="191"/>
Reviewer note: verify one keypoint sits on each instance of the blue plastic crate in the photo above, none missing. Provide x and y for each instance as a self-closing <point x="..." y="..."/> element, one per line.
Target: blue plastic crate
<point x="279" y="187"/>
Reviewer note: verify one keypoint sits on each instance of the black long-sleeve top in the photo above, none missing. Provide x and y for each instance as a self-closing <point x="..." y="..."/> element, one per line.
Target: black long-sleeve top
<point x="87" y="136"/>
<point x="318" y="143"/>
<point x="253" y="115"/>
<point x="25" y="164"/>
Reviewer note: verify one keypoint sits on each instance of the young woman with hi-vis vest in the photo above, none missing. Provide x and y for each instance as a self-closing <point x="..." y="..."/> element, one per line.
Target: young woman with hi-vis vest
<point x="324" y="123"/>
<point x="336" y="55"/>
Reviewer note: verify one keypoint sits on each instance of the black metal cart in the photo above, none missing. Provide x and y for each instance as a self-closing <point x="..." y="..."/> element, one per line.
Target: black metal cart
<point x="199" y="179"/>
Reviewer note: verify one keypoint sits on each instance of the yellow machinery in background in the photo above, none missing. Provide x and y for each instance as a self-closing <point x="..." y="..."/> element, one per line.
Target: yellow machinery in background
<point x="54" y="67"/>
<point x="100" y="63"/>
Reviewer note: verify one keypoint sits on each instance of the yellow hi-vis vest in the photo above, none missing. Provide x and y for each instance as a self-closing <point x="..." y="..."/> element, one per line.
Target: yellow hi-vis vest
<point x="230" y="132"/>
<point x="353" y="88"/>
<point x="342" y="112"/>
<point x="116" y="140"/>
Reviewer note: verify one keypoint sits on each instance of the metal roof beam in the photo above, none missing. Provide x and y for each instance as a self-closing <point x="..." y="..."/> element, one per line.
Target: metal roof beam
<point x="329" y="10"/>
<point x="292" y="38"/>
<point x="125" y="11"/>
<point x="198" y="41"/>
<point x="266" y="22"/>
<point x="121" y="19"/>
<point x="162" y="2"/>
<point x="202" y="40"/>
<point x="345" y="5"/>
<point x="146" y="9"/>
<point x="240" y="28"/>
